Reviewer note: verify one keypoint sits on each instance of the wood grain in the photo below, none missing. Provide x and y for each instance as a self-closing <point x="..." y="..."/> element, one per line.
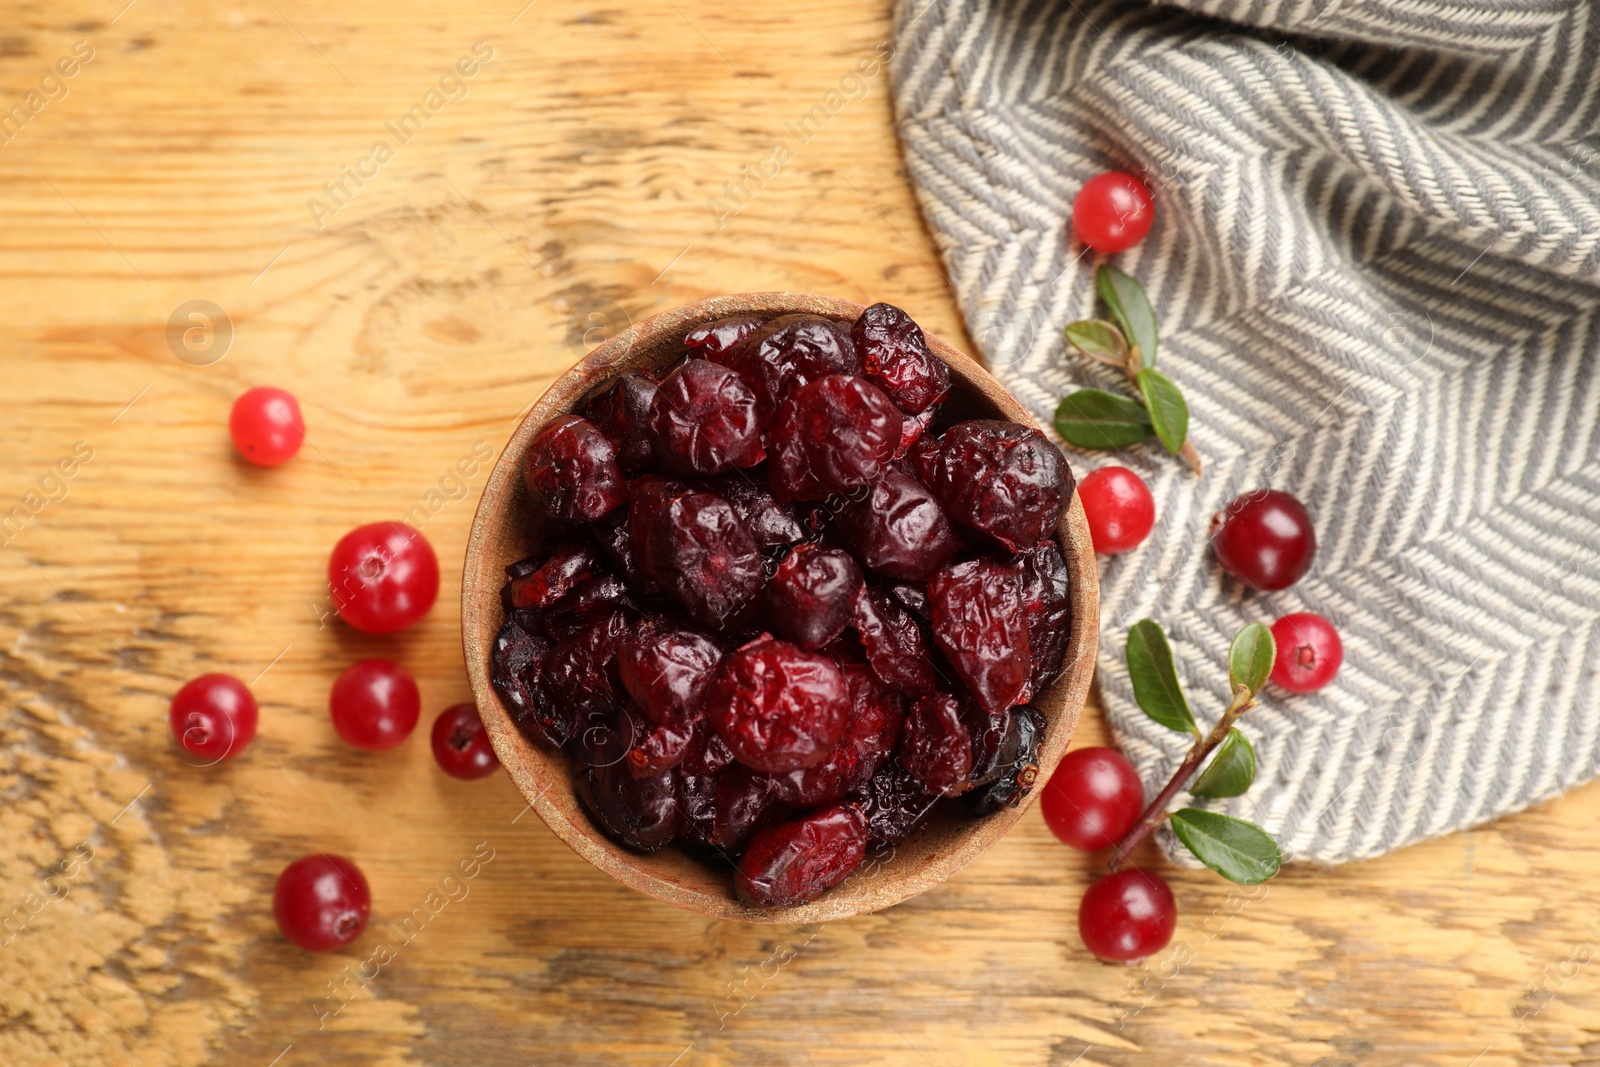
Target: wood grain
<point x="565" y="194"/>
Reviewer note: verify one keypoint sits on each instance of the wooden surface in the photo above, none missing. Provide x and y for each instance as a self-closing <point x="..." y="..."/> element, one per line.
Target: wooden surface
<point x="566" y="190"/>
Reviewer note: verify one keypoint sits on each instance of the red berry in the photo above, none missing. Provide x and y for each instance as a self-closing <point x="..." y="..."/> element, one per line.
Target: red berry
<point x="374" y="704"/>
<point x="1001" y="480"/>
<point x="694" y="545"/>
<point x="894" y="644"/>
<point x="894" y="353"/>
<point x="1264" y="539"/>
<point x="461" y="744"/>
<point x="1119" y="507"/>
<point x="778" y="707"/>
<point x="788" y="352"/>
<point x="1309" y="652"/>
<point x="1113" y="212"/>
<point x="1093" y="799"/>
<point x="572" y="470"/>
<point x="266" y="426"/>
<point x="870" y="733"/>
<point x="1127" y="916"/>
<point x="703" y="420"/>
<point x="213" y="717"/>
<point x="897" y="529"/>
<point x="832" y="435"/>
<point x="813" y="594"/>
<point x="935" y="745"/>
<point x="794" y="862"/>
<point x="383" y="577"/>
<point x="980" y="621"/>
<point x="622" y="413"/>
<point x="321" y="902"/>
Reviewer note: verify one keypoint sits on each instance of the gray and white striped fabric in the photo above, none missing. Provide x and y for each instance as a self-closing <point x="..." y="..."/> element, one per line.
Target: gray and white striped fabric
<point x="1376" y="262"/>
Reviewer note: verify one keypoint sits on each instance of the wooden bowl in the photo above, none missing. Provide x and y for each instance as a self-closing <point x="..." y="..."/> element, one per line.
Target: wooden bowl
<point x="505" y="530"/>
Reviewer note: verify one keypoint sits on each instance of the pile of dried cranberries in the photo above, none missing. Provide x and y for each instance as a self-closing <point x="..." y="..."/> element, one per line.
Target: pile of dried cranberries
<point x="782" y="607"/>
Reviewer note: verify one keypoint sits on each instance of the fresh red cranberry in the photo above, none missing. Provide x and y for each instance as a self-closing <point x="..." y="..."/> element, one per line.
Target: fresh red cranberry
<point x="870" y="734"/>
<point x="1127" y="916"/>
<point x="812" y="595"/>
<point x="321" y="902"/>
<point x="461" y="744"/>
<point x="383" y="577"/>
<point x="1264" y="539"/>
<point x="266" y="426"/>
<point x="897" y="529"/>
<point x="794" y="862"/>
<point x="893" y="643"/>
<point x="1113" y="212"/>
<point x="1119" y="507"/>
<point x="894" y="353"/>
<point x="832" y="435"/>
<point x="981" y="622"/>
<point x="778" y="707"/>
<point x="375" y="704"/>
<point x="1093" y="799"/>
<point x="622" y="413"/>
<point x="1003" y="481"/>
<point x="572" y="470"/>
<point x="935" y="745"/>
<point x="703" y="420"/>
<point x="213" y="717"/>
<point x="1309" y="652"/>
<point x="1046" y="601"/>
<point x="693" y="545"/>
<point x="786" y="353"/>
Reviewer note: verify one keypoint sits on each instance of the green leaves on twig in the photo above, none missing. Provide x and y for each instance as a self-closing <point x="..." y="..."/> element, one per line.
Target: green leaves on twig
<point x="1239" y="851"/>
<point x="1235" y="849"/>
<point x="1094" y="418"/>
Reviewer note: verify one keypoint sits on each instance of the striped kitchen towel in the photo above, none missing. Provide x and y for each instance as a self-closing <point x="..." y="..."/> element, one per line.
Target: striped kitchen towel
<point x="1376" y="264"/>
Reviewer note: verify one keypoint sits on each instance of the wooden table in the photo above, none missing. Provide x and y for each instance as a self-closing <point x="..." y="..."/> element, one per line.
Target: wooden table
<point x="560" y="190"/>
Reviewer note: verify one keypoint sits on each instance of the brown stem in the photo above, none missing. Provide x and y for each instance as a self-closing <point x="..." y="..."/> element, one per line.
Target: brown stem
<point x="1190" y="456"/>
<point x="1156" y="813"/>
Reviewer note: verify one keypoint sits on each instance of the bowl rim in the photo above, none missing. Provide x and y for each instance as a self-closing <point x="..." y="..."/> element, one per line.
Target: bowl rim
<point x="482" y="616"/>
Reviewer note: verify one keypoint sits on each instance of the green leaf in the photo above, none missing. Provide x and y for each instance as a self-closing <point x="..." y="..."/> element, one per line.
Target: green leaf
<point x="1099" y="339"/>
<point x="1250" y="658"/>
<point x="1155" y="678"/>
<point x="1230" y="771"/>
<point x="1094" y="418"/>
<point x="1169" y="413"/>
<point x="1131" y="308"/>
<point x="1239" y="851"/>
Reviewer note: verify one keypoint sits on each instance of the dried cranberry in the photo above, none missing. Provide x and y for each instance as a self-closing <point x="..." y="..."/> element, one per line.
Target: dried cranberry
<point x="622" y="413"/>
<point x="897" y="529"/>
<point x="745" y="803"/>
<point x="1002" y="480"/>
<point x="771" y="523"/>
<point x="895" y="354"/>
<point x="603" y="594"/>
<point x="912" y="429"/>
<point x="555" y="578"/>
<point x="777" y="706"/>
<point x="580" y="672"/>
<point x="615" y="539"/>
<point x="990" y="731"/>
<point x="912" y="597"/>
<point x="924" y="455"/>
<point x="703" y="420"/>
<point x="723" y="334"/>
<point x="708" y="754"/>
<point x="894" y="804"/>
<point x="572" y="470"/>
<point x="606" y="734"/>
<point x="981" y="623"/>
<point x="1017" y="778"/>
<point x="935" y="747"/>
<point x="640" y="813"/>
<point x="518" y="662"/>
<point x="812" y="595"/>
<point x="894" y="644"/>
<point x="694" y="546"/>
<point x="697" y="806"/>
<point x="869" y="737"/>
<point x="798" y="861"/>
<point x="1046" y="591"/>
<point x="831" y="435"/>
<point x="666" y="668"/>
<point x="660" y="746"/>
<point x="790" y="351"/>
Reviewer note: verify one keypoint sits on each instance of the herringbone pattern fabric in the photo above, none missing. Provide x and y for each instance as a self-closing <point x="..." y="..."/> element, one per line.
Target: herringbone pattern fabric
<point x="1377" y="268"/>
